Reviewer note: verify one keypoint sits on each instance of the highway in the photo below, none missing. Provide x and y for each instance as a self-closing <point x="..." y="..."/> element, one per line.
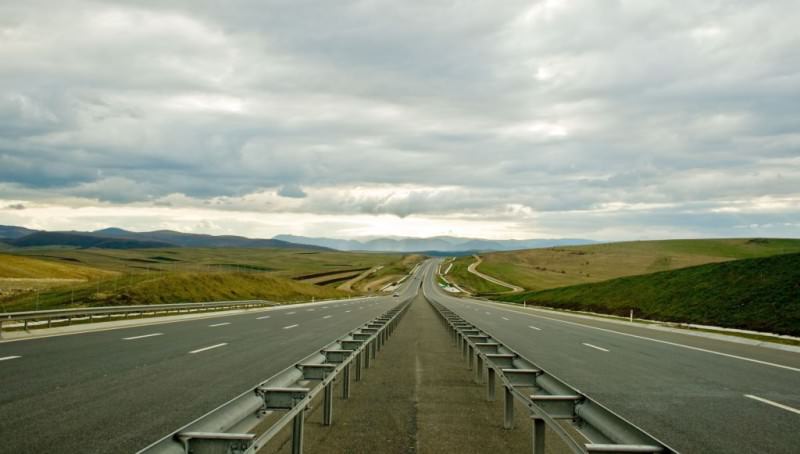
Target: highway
<point x="696" y="394"/>
<point x="121" y="389"/>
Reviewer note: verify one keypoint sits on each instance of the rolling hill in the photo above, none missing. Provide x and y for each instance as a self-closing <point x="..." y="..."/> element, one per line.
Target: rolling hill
<point x="761" y="294"/>
<point x="115" y="238"/>
<point x="433" y="245"/>
<point x="539" y="269"/>
<point x="204" y="241"/>
<point x="82" y="240"/>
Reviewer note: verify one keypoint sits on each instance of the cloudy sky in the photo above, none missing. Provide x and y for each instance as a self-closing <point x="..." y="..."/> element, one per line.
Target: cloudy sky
<point x="513" y="119"/>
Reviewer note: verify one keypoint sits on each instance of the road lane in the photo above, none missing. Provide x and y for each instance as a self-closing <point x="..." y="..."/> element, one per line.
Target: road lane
<point x="691" y="398"/>
<point x="97" y="392"/>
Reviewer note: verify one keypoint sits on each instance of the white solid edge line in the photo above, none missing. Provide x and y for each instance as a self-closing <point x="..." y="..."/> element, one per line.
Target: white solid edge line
<point x="595" y="347"/>
<point x="290" y="326"/>
<point x="774" y="404"/>
<point x="142" y="336"/>
<point x="262" y="318"/>
<point x="207" y="348"/>
<point x="328" y="316"/>
<point x="533" y="327"/>
<point x="6" y="358"/>
<point x="219" y="324"/>
<point x="674" y="344"/>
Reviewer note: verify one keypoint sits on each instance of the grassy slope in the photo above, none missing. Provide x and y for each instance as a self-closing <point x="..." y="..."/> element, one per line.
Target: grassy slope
<point x="175" y="287"/>
<point x="162" y="275"/>
<point x="538" y="269"/>
<point x="760" y="294"/>
<point x="280" y="262"/>
<point x="460" y="274"/>
<point x="12" y="266"/>
<point x="392" y="271"/>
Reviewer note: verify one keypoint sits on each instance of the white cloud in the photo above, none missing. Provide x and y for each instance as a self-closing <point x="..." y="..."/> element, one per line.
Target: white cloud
<point x="673" y="118"/>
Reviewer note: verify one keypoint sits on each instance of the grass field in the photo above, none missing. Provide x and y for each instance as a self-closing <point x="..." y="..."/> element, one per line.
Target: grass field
<point x="174" y="287"/>
<point x="390" y="272"/>
<point x="470" y="282"/>
<point x="760" y="294"/>
<point x="46" y="278"/>
<point x="13" y="266"/>
<point x="279" y="262"/>
<point x="538" y="269"/>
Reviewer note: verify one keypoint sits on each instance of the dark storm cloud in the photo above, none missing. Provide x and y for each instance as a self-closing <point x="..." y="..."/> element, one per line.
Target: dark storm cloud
<point x="465" y="107"/>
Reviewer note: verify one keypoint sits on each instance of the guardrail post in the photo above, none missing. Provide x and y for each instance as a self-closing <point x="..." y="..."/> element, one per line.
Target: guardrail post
<point x="358" y="365"/>
<point x="367" y="353"/>
<point x="374" y="348"/>
<point x="490" y="384"/>
<point x="537" y="435"/>
<point x="297" y="433"/>
<point x="346" y="382"/>
<point x="478" y="368"/>
<point x="508" y="421"/>
<point x="471" y="355"/>
<point x="327" y="415"/>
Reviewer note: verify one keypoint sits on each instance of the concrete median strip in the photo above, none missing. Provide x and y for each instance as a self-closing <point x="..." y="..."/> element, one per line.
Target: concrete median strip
<point x="419" y="399"/>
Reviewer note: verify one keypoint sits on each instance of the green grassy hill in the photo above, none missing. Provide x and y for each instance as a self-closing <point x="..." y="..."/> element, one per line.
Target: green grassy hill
<point x="18" y="267"/>
<point x="178" y="287"/>
<point x="539" y="269"/>
<point x="460" y="274"/>
<point x="760" y="294"/>
<point x="49" y="278"/>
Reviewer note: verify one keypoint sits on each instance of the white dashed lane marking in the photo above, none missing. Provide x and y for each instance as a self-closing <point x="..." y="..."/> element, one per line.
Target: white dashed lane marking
<point x="773" y="403"/>
<point x="208" y="348"/>
<point x="290" y="326"/>
<point x="142" y="336"/>
<point x="219" y="324"/>
<point x="595" y="347"/>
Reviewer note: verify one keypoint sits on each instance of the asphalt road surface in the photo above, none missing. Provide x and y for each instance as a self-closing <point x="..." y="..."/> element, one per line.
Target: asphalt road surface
<point x="698" y="395"/>
<point x="119" y="390"/>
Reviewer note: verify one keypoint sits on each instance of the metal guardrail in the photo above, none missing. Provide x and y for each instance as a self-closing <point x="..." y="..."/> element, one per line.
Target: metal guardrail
<point x="248" y="422"/>
<point x="68" y="315"/>
<point x="549" y="399"/>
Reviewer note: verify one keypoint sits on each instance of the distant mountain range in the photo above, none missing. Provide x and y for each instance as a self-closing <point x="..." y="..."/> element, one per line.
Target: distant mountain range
<point x="115" y="238"/>
<point x="434" y="244"/>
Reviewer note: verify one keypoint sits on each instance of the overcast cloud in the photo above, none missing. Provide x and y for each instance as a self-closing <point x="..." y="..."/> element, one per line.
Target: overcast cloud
<point x="599" y="119"/>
